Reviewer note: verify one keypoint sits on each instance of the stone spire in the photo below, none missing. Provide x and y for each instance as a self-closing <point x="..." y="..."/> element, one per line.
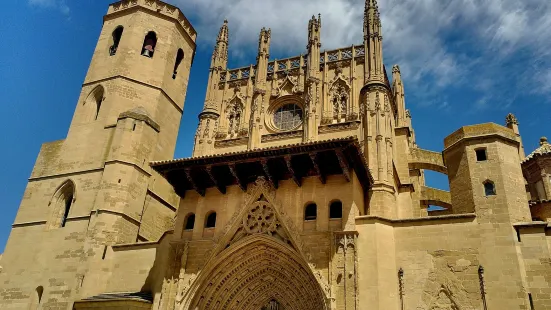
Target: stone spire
<point x="220" y="54"/>
<point x="209" y="117"/>
<point x="264" y="40"/>
<point x="399" y="96"/>
<point x="373" y="42"/>
<point x="314" y="45"/>
<point x="260" y="98"/>
<point x="313" y="79"/>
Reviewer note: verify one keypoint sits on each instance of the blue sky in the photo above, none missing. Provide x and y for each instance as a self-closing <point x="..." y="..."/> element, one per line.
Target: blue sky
<point x="462" y="61"/>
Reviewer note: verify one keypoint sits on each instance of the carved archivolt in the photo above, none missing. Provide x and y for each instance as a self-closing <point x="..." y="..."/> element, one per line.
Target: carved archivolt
<point x="255" y="271"/>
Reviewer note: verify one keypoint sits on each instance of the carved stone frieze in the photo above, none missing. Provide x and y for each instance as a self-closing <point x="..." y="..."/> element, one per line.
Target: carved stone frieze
<point x="231" y="142"/>
<point x="339" y="127"/>
<point x="282" y="136"/>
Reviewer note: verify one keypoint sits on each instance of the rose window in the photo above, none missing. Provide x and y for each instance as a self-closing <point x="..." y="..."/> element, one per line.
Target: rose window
<point x="288" y="117"/>
<point x="261" y="219"/>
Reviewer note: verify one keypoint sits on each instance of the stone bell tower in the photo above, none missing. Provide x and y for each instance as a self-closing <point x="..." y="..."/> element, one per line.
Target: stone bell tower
<point x="95" y="188"/>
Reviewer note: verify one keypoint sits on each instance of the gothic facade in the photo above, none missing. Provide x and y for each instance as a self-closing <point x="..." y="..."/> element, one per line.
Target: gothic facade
<point x="305" y="190"/>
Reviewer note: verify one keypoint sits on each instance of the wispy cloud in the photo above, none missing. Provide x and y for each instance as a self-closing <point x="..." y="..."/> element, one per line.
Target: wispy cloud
<point x="59" y="5"/>
<point x="496" y="48"/>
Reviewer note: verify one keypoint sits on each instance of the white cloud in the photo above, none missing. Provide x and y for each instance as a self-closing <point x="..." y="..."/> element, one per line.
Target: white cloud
<point x="488" y="45"/>
<point x="60" y="5"/>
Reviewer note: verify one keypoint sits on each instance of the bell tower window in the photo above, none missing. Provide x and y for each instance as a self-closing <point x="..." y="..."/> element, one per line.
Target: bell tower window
<point x="115" y="39"/>
<point x="179" y="58"/>
<point x="149" y="44"/>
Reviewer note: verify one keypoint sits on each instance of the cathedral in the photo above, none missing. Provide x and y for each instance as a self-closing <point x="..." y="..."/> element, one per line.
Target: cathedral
<point x="305" y="190"/>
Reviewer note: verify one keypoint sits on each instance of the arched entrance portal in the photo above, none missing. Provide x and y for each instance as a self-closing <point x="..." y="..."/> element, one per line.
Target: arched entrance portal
<point x="256" y="273"/>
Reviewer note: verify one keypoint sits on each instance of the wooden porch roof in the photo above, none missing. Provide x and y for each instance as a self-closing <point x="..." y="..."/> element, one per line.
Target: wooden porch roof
<point x="295" y="161"/>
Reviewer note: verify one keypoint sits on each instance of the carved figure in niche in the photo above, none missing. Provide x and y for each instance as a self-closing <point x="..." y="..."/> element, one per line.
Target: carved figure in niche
<point x="340" y="100"/>
<point x="234" y="113"/>
<point x="206" y="131"/>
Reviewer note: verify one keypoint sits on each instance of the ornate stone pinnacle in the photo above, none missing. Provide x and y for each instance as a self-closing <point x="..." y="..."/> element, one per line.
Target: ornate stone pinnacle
<point x="511" y="119"/>
<point x="543" y="140"/>
<point x="395" y="69"/>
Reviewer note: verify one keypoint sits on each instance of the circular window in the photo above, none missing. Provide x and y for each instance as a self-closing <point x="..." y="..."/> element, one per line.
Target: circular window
<point x="288" y="117"/>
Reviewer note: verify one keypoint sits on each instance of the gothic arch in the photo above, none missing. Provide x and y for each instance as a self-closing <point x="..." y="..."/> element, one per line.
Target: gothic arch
<point x="254" y="271"/>
<point x="61" y="203"/>
<point x="258" y="258"/>
<point x="92" y="104"/>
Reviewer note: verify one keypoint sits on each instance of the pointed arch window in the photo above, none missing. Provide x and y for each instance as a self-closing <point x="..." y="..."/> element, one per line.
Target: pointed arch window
<point x="36" y="298"/>
<point x="149" y="44"/>
<point x="61" y="204"/>
<point x="93" y="103"/>
<point x="115" y="39"/>
<point x="189" y="222"/>
<point x="179" y="58"/>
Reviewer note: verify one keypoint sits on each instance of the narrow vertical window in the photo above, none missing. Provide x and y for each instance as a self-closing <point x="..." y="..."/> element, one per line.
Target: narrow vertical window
<point x="211" y="220"/>
<point x="310" y="212"/>
<point x="149" y="44"/>
<point x="115" y="39"/>
<point x="335" y="210"/>
<point x="489" y="188"/>
<point x="481" y="155"/>
<point x="68" y="203"/>
<point x="190" y="222"/>
<point x="179" y="58"/>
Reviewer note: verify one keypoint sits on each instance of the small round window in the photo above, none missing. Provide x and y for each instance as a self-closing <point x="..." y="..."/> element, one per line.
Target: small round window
<point x="288" y="117"/>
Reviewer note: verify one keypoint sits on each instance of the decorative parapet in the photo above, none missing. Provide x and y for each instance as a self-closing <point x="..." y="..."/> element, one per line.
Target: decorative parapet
<point x="423" y="159"/>
<point x="238" y="74"/>
<point x="436" y="197"/>
<point x="159" y="7"/>
<point x="282" y="136"/>
<point x="294" y="63"/>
